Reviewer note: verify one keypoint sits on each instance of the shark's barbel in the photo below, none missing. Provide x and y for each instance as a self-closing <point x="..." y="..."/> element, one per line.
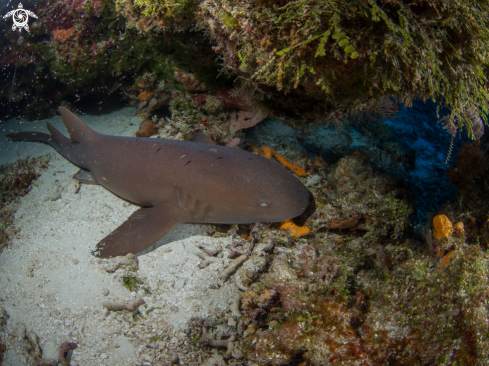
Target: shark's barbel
<point x="175" y="182"/>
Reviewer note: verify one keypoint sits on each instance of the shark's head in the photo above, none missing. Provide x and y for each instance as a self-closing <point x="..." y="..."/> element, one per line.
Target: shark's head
<point x="274" y="200"/>
<point x="266" y="192"/>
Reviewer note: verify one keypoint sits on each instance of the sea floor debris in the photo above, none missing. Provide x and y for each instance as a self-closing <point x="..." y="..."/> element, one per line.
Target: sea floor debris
<point x="16" y="180"/>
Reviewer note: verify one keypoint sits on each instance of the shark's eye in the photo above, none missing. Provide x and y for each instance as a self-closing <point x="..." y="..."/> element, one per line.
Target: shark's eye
<point x="264" y="205"/>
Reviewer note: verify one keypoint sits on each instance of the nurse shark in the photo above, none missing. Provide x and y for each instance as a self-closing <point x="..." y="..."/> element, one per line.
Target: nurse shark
<point x="174" y="182"/>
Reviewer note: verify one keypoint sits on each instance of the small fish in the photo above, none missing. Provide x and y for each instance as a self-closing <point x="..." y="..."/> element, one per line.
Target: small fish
<point x="175" y="182"/>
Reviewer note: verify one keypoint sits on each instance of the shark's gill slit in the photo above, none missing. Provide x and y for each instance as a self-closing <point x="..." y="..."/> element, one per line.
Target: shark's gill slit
<point x="177" y="193"/>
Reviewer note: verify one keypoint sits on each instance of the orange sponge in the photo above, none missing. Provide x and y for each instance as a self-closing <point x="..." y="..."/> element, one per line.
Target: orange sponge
<point x="446" y="259"/>
<point x="265" y="151"/>
<point x="459" y="229"/>
<point x="268" y="153"/>
<point x="145" y="96"/>
<point x="293" y="168"/>
<point x="442" y="227"/>
<point x="294" y="230"/>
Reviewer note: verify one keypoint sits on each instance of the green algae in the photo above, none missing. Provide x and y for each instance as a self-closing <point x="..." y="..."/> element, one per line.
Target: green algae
<point x="343" y="56"/>
<point x="351" y="52"/>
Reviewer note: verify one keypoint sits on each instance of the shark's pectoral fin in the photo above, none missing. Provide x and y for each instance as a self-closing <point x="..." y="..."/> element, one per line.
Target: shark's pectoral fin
<point x="84" y="176"/>
<point x="140" y="231"/>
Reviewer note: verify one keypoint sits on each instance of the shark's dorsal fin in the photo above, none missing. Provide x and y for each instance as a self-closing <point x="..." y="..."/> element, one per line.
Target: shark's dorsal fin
<point x="79" y="131"/>
<point x="202" y="138"/>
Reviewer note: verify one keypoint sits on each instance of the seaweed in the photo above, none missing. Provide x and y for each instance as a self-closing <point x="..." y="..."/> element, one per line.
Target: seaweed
<point x="357" y="52"/>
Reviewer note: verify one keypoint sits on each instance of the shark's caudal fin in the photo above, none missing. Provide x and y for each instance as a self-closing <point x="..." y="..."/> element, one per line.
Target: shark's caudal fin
<point x="140" y="231"/>
<point x="79" y="132"/>
<point x="56" y="139"/>
<point x="31" y="137"/>
<point x="71" y="148"/>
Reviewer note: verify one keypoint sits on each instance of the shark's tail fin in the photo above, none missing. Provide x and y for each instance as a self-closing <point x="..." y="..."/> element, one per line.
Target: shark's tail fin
<point x="73" y="149"/>
<point x="79" y="133"/>
<point x="30" y="136"/>
<point x="56" y="139"/>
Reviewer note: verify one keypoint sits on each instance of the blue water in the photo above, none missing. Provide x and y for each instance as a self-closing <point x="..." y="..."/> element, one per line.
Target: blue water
<point x="412" y="147"/>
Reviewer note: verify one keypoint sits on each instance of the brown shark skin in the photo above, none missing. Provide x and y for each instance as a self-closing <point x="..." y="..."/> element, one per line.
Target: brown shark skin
<point x="178" y="181"/>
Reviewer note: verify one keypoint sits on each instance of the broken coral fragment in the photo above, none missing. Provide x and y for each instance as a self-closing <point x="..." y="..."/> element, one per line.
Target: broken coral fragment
<point x="64" y="352"/>
<point x="233" y="267"/>
<point x="233" y="142"/>
<point x="442" y="227"/>
<point x="141" y="106"/>
<point x="128" y="262"/>
<point x="131" y="305"/>
<point x="268" y="153"/>
<point x="294" y="230"/>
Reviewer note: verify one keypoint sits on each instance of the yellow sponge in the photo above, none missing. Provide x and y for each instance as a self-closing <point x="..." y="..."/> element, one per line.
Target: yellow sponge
<point x="442" y="227"/>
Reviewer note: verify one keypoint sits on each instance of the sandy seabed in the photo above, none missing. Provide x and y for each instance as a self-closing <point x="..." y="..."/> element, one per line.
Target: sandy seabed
<point x="50" y="283"/>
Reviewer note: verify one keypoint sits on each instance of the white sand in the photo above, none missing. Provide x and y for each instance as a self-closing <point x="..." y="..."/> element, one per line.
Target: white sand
<point x="52" y="285"/>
